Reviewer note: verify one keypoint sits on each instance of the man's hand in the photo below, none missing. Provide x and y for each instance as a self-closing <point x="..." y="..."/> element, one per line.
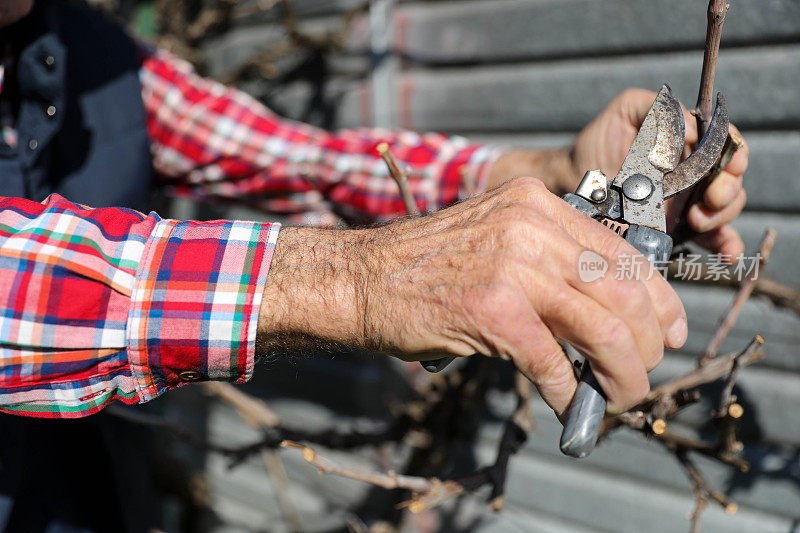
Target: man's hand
<point x="496" y="274"/>
<point x="605" y="142"/>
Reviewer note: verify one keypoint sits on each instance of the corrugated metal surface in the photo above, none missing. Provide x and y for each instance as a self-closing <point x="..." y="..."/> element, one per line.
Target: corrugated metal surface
<point x="531" y="73"/>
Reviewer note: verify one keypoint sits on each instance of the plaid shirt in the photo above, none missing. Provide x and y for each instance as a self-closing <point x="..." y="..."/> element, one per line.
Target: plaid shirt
<point x="105" y="304"/>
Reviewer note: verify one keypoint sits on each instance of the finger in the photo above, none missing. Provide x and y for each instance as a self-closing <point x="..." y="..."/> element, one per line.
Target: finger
<point x="634" y="104"/>
<point x="692" y="138"/>
<point x="629" y="300"/>
<point x="703" y="219"/>
<point x="543" y="361"/>
<point x="594" y="236"/>
<point x="724" y="240"/>
<point x="722" y="191"/>
<point x="738" y="163"/>
<point x="626" y="298"/>
<point x="605" y="339"/>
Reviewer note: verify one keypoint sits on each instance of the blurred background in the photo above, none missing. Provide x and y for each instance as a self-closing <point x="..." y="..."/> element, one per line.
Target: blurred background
<point x="526" y="73"/>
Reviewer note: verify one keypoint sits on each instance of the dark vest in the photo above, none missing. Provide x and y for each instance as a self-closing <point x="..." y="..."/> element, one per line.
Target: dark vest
<point x="81" y="121"/>
<point x="82" y="134"/>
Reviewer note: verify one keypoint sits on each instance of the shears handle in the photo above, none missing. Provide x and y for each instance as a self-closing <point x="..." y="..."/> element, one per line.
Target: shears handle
<point x="436" y="365"/>
<point x="585" y="414"/>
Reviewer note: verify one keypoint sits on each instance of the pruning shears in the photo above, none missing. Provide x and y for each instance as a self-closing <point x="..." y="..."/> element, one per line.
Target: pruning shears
<point x="632" y="205"/>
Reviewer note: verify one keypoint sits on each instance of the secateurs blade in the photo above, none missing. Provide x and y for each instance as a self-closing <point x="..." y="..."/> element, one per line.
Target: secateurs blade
<point x="632" y="204"/>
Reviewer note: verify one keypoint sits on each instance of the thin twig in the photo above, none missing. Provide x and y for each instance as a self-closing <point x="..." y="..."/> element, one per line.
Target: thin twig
<point x="704" y="110"/>
<point x="277" y="473"/>
<point x="745" y="290"/>
<point x="703" y="490"/>
<point x="709" y="449"/>
<point x="726" y="397"/>
<point x="727" y="415"/>
<point x="257" y="414"/>
<point x="254" y="411"/>
<point x="694" y="518"/>
<point x="780" y="294"/>
<point x="400" y="178"/>
<point x="429" y="492"/>
<point x="389" y="480"/>
<point x="681" y="389"/>
<point x="713" y="370"/>
<point x="515" y="434"/>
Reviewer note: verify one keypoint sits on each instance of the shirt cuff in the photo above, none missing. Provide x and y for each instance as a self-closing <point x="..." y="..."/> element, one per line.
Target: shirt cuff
<point x="195" y="303"/>
<point x="467" y="172"/>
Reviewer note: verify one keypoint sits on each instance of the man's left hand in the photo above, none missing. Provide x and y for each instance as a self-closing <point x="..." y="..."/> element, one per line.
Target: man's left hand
<point x="605" y="142"/>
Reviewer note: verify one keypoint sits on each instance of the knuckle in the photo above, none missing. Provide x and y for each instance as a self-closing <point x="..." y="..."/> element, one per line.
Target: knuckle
<point x="549" y="366"/>
<point x="523" y="189"/>
<point x="632" y="294"/>
<point x="559" y="305"/>
<point x="610" y="244"/>
<point x="529" y="182"/>
<point x="614" y="334"/>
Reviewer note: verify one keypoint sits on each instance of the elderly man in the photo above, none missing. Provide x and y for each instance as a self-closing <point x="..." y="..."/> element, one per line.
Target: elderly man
<point x="104" y="303"/>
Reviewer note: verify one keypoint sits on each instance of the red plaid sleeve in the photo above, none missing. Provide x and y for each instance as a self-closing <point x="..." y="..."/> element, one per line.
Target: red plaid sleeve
<point x="105" y="304"/>
<point x="210" y="141"/>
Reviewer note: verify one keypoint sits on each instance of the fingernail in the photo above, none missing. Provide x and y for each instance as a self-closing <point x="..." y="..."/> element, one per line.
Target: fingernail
<point x="677" y="333"/>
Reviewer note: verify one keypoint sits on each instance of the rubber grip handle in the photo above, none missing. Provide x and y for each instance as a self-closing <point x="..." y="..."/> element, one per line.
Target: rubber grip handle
<point x="436" y="365"/>
<point x="584" y="417"/>
<point x="585" y="414"/>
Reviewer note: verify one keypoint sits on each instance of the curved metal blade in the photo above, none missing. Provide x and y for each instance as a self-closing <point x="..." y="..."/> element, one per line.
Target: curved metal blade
<point x="655" y="151"/>
<point x="670" y="132"/>
<point x="702" y="160"/>
<point x="658" y="146"/>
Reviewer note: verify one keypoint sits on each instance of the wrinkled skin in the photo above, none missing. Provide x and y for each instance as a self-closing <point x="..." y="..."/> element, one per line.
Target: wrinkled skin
<point x="496" y="274"/>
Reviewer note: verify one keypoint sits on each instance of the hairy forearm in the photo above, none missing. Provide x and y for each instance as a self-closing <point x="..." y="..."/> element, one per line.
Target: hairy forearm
<point x="328" y="289"/>
<point x="315" y="291"/>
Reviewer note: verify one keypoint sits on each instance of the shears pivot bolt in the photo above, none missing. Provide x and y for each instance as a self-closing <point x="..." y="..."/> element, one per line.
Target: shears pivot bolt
<point x="637" y="187"/>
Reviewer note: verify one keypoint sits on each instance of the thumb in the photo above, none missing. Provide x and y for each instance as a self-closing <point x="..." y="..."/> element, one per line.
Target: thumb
<point x="635" y="104"/>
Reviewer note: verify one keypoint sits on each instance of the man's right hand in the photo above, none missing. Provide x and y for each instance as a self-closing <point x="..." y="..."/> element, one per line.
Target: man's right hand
<point x="496" y="274"/>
